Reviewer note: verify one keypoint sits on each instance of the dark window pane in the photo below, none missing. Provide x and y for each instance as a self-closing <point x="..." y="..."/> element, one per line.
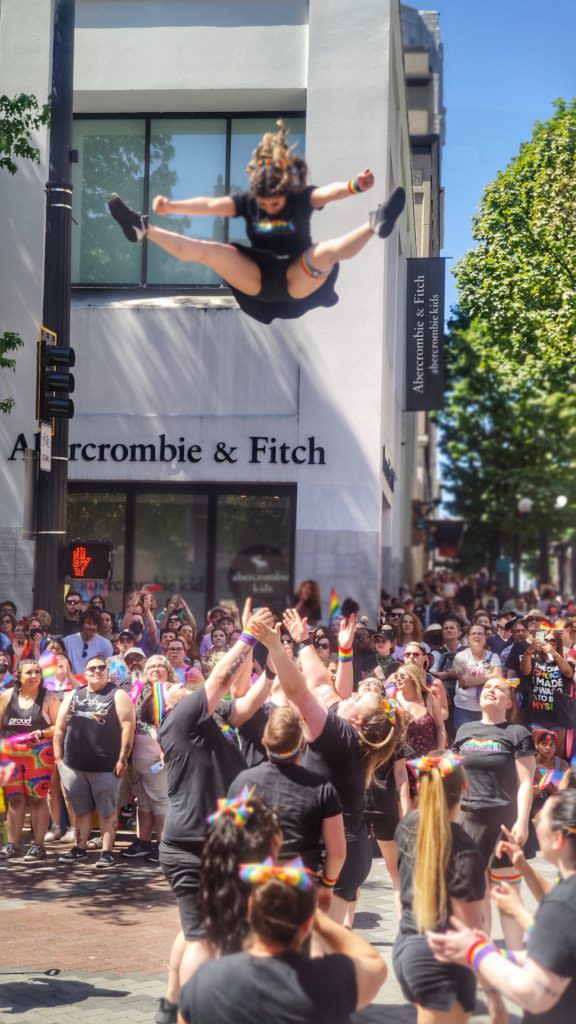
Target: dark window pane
<point x="170" y="547"/>
<point x="95" y="516"/>
<point x="254" y="549"/>
<point x="111" y="159"/>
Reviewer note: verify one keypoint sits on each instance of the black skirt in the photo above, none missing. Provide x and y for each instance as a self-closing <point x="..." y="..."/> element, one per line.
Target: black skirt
<point x="273" y="300"/>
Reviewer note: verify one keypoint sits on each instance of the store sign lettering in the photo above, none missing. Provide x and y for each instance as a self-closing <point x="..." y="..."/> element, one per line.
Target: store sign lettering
<point x="261" y="450"/>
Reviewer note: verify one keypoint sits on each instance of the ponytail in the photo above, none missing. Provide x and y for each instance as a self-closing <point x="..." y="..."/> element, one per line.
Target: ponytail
<point x="437" y="796"/>
<point x="274" y="169"/>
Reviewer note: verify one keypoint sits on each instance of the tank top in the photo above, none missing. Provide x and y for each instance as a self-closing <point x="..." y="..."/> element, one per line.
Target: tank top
<point x="17" y="719"/>
<point x="94" y="734"/>
<point x="421" y="735"/>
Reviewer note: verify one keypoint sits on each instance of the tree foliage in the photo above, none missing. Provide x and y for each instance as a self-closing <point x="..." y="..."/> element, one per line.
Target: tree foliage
<point x="20" y="116"/>
<point x="509" y="423"/>
<point x="520" y="280"/>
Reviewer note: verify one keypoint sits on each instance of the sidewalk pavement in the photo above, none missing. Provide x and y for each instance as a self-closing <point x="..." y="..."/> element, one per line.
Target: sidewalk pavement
<point x="107" y="936"/>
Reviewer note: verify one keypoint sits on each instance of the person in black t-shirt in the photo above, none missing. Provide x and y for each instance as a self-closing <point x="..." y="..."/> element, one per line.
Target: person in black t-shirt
<point x="201" y="758"/>
<point x="282" y="273"/>
<point x="275" y="980"/>
<point x="499" y="759"/>
<point x="542" y="978"/>
<point x="441" y="873"/>
<point x="308" y="807"/>
<point x="353" y="740"/>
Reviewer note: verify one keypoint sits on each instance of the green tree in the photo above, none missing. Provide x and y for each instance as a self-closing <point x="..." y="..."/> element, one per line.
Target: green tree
<point x="20" y="116"/>
<point x="520" y="280"/>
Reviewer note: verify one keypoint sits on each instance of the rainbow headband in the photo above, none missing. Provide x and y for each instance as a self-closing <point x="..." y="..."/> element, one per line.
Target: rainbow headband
<point x="238" y="807"/>
<point x="445" y="763"/>
<point x="293" y="873"/>
<point x="290" y="753"/>
<point x="388" y="709"/>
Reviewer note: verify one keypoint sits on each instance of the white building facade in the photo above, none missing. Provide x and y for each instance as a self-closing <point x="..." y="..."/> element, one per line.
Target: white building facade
<point x="221" y="456"/>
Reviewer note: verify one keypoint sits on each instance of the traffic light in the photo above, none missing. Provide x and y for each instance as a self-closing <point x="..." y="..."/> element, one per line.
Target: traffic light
<point x="88" y="560"/>
<point x="55" y="382"/>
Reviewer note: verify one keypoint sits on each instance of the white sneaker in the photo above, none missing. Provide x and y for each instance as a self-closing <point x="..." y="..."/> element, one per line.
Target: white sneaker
<point x="54" y="836"/>
<point x="69" y="836"/>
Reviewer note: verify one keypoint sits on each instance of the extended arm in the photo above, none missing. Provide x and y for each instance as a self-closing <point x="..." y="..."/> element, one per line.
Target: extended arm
<point x="525" y="768"/>
<point x="293" y="682"/>
<point x="344" y="682"/>
<point x="402" y="785"/>
<point x="200" y="206"/>
<point x="314" y="670"/>
<point x="127" y="716"/>
<point x="228" y="668"/>
<point x="60" y="728"/>
<point x="246" y="707"/>
<point x="369" y="966"/>
<point x="341" y="189"/>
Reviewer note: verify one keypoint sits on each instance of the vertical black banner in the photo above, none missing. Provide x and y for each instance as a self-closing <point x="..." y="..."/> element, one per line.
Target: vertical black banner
<point x="425" y="333"/>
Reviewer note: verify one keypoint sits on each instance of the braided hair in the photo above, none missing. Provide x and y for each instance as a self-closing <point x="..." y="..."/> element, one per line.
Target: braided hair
<point x="274" y="169"/>
<point x="223" y="896"/>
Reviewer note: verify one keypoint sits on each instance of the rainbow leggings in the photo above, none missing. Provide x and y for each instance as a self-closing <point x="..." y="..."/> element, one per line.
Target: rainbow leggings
<point x="33" y="773"/>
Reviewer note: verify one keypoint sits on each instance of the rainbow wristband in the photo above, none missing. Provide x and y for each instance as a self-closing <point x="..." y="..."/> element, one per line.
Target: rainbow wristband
<point x="345" y="654"/>
<point x="248" y="638"/>
<point x="472" y="950"/>
<point x="328" y="883"/>
<point x="354" y="187"/>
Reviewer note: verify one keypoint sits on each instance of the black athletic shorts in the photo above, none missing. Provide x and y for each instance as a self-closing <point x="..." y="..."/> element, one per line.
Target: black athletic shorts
<point x="484" y="828"/>
<point x="182" y="870"/>
<point x="274" y="300"/>
<point x="427" y="982"/>
<point x="356" y="866"/>
<point x="381" y="825"/>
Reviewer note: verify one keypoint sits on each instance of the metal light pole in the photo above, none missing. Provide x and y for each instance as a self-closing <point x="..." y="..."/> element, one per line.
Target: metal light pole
<point x="53" y="486"/>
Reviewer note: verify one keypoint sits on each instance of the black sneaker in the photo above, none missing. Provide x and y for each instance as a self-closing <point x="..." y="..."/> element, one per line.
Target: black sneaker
<point x="139" y="848"/>
<point x="133" y="224"/>
<point x="383" y="219"/>
<point x="73" y="856"/>
<point x="105" y="860"/>
<point x="167" y="1012"/>
<point x="10" y="851"/>
<point x="154" y="855"/>
<point x="36" y="852"/>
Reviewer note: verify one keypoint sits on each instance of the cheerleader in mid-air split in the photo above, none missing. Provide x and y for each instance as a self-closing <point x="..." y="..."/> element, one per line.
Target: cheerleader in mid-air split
<point x="283" y="273"/>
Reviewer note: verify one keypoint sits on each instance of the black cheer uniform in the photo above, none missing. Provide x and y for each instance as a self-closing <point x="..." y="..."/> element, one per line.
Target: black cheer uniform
<point x="423" y="979"/>
<point x="277" y="240"/>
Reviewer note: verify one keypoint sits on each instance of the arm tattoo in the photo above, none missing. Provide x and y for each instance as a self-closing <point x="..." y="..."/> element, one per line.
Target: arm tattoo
<point x="545" y="988"/>
<point x="237" y="663"/>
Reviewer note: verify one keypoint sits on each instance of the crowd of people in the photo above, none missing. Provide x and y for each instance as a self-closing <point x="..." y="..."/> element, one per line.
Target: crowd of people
<point x="268" y="757"/>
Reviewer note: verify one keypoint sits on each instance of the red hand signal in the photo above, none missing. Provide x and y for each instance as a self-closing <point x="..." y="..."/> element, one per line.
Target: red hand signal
<point x="80" y="561"/>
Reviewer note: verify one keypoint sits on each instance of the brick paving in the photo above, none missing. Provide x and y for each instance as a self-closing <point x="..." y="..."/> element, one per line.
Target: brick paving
<point x="108" y="935"/>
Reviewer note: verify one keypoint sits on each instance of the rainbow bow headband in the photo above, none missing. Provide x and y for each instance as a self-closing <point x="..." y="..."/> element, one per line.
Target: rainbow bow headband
<point x="445" y="763"/>
<point x="238" y="807"/>
<point x="388" y="709"/>
<point x="293" y="873"/>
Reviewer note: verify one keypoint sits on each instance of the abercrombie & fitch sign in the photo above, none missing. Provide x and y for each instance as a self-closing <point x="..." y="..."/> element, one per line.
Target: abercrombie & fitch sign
<point x="257" y="450"/>
<point x="425" y="334"/>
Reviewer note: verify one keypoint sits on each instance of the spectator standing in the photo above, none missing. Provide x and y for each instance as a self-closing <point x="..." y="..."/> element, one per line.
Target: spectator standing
<point x="72" y="612"/>
<point x="92" y="742"/>
<point x="473" y="666"/>
<point x="87" y="644"/>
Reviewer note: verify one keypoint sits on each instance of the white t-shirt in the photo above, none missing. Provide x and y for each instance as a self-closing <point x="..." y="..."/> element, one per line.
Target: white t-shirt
<point x="471" y="669"/>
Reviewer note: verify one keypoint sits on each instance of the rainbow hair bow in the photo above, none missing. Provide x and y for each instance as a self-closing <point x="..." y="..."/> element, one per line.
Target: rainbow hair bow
<point x="293" y="873"/>
<point x="513" y="681"/>
<point x="238" y="806"/>
<point x="388" y="709"/>
<point x="445" y="763"/>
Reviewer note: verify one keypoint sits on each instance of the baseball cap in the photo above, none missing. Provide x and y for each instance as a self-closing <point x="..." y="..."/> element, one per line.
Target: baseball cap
<point x="125" y="634"/>
<point x="134" y="650"/>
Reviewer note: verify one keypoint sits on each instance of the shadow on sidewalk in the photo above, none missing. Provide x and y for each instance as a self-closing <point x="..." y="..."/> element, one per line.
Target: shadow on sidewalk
<point x="18" y="997"/>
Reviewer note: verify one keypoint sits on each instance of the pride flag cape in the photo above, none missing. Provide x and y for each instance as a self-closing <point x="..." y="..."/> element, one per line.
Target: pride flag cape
<point x="335" y="607"/>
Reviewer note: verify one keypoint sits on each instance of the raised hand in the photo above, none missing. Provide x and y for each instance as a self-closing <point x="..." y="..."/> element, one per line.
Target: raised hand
<point x="160" y="204"/>
<point x="346" y="633"/>
<point x="297" y="627"/>
<point x="365" y="179"/>
<point x="262" y="627"/>
<point x="511" y="848"/>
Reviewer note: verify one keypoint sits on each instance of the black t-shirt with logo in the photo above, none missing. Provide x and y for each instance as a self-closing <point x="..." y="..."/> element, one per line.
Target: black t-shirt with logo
<point x="94" y="734"/>
<point x="465" y="874"/>
<point x="286" y="989"/>
<point x="286" y="233"/>
<point x="301" y="800"/>
<point x="545" y="679"/>
<point x="201" y="761"/>
<point x="490" y="753"/>
<point x="552" y="944"/>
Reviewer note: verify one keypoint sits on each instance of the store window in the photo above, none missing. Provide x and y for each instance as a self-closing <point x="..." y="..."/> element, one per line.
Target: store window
<point x="142" y="157"/>
<point x="209" y="544"/>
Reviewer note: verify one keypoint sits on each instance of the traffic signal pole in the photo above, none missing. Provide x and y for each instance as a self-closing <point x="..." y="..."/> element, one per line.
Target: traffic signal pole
<point x="52" y="487"/>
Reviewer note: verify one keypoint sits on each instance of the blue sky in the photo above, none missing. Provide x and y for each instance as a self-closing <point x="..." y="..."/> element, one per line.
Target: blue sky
<point x="504" y="64"/>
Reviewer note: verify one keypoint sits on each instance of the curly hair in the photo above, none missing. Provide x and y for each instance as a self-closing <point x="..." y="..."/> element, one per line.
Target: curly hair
<point x="274" y="169"/>
<point x="223" y="897"/>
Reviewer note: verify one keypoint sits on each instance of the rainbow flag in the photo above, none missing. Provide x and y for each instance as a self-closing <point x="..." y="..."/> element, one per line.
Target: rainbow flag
<point x="335" y="607"/>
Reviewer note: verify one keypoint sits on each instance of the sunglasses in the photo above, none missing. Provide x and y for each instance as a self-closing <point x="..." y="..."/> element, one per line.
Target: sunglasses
<point x="322" y="645"/>
<point x="96" y="668"/>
